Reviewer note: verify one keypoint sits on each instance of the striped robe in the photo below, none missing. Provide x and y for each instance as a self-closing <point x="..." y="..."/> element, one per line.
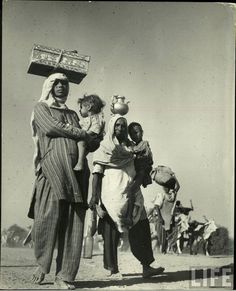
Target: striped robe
<point x="58" y="149"/>
<point x="59" y="191"/>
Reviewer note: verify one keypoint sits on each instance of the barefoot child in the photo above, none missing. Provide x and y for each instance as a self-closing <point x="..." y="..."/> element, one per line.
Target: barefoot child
<point x="93" y="122"/>
<point x="143" y="161"/>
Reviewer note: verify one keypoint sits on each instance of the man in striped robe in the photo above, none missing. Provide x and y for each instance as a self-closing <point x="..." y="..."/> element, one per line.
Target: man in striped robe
<point x="59" y="200"/>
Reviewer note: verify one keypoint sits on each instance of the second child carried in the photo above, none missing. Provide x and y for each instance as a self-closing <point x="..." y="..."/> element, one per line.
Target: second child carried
<point x="143" y="164"/>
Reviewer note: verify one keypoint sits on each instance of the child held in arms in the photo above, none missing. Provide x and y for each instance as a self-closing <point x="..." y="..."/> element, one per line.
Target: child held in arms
<point x="143" y="163"/>
<point x="93" y="122"/>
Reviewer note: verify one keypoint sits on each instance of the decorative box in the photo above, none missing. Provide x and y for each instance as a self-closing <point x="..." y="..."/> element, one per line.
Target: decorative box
<point x="46" y="60"/>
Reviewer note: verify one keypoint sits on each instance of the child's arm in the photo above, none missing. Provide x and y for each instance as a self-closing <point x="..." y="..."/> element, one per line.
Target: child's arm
<point x="149" y="154"/>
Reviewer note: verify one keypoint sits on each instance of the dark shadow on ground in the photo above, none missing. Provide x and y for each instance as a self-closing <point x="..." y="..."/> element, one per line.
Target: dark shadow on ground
<point x="94" y="255"/>
<point x="46" y="283"/>
<point x="167" y="277"/>
<point x="219" y="256"/>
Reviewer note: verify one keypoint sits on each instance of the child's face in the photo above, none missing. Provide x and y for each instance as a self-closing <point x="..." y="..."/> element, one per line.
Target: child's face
<point x="136" y="133"/>
<point x="84" y="109"/>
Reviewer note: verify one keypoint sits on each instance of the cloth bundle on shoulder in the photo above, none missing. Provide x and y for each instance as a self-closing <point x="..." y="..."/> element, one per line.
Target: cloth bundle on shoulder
<point x="163" y="175"/>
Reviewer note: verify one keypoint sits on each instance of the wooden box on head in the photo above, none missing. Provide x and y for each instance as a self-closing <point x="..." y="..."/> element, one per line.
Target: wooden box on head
<point x="47" y="60"/>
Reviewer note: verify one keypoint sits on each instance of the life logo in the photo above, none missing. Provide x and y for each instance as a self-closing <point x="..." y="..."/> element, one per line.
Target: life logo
<point x="213" y="277"/>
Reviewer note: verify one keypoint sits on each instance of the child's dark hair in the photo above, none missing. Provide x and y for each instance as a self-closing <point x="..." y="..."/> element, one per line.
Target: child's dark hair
<point x="94" y="100"/>
<point x="132" y="125"/>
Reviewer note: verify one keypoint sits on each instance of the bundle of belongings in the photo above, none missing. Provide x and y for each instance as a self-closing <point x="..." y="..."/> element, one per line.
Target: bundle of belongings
<point x="163" y="176"/>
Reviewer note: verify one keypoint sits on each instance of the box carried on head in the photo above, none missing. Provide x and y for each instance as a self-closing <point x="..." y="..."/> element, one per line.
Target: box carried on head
<point x="46" y="60"/>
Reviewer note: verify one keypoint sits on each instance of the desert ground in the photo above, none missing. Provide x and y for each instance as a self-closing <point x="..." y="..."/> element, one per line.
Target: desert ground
<point x="18" y="264"/>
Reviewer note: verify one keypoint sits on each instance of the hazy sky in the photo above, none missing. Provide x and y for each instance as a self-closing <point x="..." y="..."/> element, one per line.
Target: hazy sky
<point x="173" y="61"/>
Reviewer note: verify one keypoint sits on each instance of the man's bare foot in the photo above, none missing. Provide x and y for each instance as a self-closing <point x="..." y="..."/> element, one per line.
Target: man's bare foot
<point x="60" y="284"/>
<point x="115" y="276"/>
<point x="38" y="276"/>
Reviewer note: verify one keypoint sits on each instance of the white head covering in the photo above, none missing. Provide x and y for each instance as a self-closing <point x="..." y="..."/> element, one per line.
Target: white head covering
<point x="110" y="152"/>
<point x="46" y="97"/>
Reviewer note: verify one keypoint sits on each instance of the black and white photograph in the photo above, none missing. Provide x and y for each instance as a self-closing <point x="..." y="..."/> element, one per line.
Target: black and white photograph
<point x="118" y="135"/>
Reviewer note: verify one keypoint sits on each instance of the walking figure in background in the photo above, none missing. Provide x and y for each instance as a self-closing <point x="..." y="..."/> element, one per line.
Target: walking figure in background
<point x="164" y="205"/>
<point x="181" y="225"/>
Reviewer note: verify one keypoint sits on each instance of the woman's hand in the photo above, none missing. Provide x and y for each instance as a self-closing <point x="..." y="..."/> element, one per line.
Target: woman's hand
<point x="96" y="190"/>
<point x="93" y="202"/>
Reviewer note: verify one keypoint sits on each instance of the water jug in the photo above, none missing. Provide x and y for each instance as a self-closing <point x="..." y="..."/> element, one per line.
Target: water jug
<point x="119" y="106"/>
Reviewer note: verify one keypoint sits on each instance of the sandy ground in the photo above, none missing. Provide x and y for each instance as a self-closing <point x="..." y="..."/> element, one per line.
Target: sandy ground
<point x="18" y="264"/>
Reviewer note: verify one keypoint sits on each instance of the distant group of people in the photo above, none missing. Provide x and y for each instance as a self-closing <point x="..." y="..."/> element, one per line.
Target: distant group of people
<point x="161" y="214"/>
<point x="59" y="201"/>
<point x="171" y="225"/>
